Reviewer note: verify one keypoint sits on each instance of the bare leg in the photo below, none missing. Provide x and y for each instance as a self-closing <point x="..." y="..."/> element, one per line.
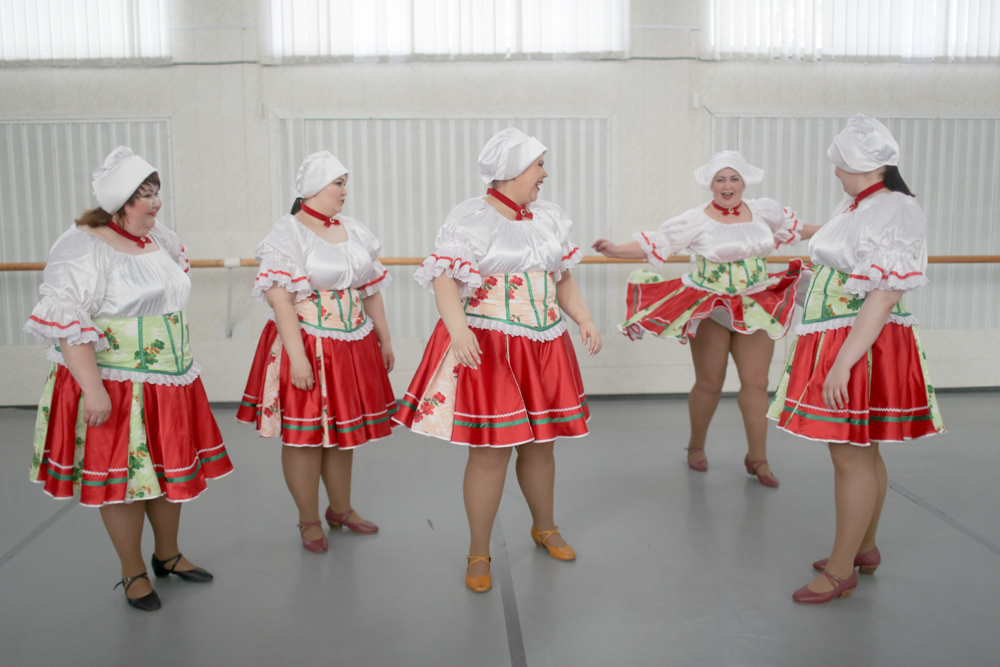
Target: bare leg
<point x="710" y="353"/>
<point x="124" y="525"/>
<point x="882" y="478"/>
<point x="337" y="467"/>
<point x="752" y="354"/>
<point x="302" y="469"/>
<point x="855" y="490"/>
<point x="536" y="473"/>
<point x="484" y="477"/>
<point x="165" y="518"/>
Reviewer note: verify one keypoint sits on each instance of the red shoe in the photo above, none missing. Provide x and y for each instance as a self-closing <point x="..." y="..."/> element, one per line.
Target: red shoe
<point x="316" y="546"/>
<point x="700" y="466"/>
<point x="752" y="468"/>
<point x="842" y="588"/>
<point x="866" y="563"/>
<point x="337" y="520"/>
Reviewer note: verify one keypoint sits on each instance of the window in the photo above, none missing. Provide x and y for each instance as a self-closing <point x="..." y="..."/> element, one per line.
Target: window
<point x="324" y="30"/>
<point x="74" y="31"/>
<point x="908" y="30"/>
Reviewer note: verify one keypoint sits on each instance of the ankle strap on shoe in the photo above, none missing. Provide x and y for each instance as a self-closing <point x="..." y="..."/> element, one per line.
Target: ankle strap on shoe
<point x="128" y="581"/>
<point x="472" y="560"/>
<point x="308" y="524"/>
<point x="544" y="535"/>
<point x="756" y="465"/>
<point x="835" y="581"/>
<point x="170" y="563"/>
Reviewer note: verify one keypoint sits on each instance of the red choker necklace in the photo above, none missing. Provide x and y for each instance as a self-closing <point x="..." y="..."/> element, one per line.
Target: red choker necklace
<point x="867" y="192"/>
<point x="327" y="220"/>
<point x="140" y="241"/>
<point x="726" y="211"/>
<point x="522" y="211"/>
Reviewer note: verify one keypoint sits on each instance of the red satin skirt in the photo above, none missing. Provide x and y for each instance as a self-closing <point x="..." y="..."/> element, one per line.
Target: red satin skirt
<point x="890" y="397"/>
<point x="523" y="391"/>
<point x="350" y="404"/>
<point x="182" y="441"/>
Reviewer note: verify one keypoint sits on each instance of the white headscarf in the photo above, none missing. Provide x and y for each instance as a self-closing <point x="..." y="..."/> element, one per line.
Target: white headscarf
<point x="732" y="160"/>
<point x="507" y="155"/>
<point x="316" y="172"/>
<point x="119" y="177"/>
<point x="863" y="146"/>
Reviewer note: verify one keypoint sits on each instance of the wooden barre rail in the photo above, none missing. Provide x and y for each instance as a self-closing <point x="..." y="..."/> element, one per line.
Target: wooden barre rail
<point x="589" y="259"/>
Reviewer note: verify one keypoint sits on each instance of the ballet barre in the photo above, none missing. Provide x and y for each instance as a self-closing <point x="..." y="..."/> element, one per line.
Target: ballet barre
<point x="588" y="259"/>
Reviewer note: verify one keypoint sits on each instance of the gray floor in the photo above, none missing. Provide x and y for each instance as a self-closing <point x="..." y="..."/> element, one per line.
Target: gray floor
<point x="674" y="567"/>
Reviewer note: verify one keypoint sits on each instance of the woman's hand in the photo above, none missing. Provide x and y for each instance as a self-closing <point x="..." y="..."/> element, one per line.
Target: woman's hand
<point x="301" y="374"/>
<point x="466" y="347"/>
<point x="605" y="247"/>
<point x="835" y="387"/>
<point x="388" y="358"/>
<point x="589" y="335"/>
<point x="96" y="406"/>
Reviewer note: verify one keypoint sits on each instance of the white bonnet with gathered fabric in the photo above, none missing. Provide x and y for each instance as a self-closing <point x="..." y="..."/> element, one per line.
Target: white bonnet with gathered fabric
<point x="863" y="146"/>
<point x="732" y="160"/>
<point x="119" y="177"/>
<point x="507" y="155"/>
<point x="318" y="171"/>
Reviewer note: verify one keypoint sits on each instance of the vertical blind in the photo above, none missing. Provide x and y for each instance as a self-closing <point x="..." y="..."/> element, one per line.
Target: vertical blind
<point x="310" y="30"/>
<point x="68" y="31"/>
<point x="911" y="30"/>
<point x="45" y="183"/>
<point x="408" y="173"/>
<point x="952" y="164"/>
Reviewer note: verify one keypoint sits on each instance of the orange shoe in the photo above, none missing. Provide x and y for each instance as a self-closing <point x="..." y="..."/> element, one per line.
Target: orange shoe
<point x="541" y="538"/>
<point x="478" y="584"/>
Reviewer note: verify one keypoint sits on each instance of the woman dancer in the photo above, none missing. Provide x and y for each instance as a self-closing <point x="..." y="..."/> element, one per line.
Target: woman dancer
<point x="320" y="377"/>
<point x="857" y="374"/>
<point x="728" y="305"/>
<point x="124" y="421"/>
<point x="500" y="371"/>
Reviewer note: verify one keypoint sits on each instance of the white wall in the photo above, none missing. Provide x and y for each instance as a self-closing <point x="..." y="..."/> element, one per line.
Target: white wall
<point x="659" y="101"/>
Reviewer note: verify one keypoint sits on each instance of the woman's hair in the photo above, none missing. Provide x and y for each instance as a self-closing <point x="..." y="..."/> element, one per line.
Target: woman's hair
<point x="893" y="181"/>
<point x="496" y="184"/>
<point x="296" y="205"/>
<point x="98" y="217"/>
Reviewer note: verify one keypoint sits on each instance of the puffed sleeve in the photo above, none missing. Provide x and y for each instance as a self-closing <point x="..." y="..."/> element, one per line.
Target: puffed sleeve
<point x="72" y="289"/>
<point x="560" y="223"/>
<point x="461" y="242"/>
<point x="281" y="263"/>
<point x="891" y="251"/>
<point x="377" y="278"/>
<point x="673" y="236"/>
<point x="785" y="225"/>
<point x="170" y="242"/>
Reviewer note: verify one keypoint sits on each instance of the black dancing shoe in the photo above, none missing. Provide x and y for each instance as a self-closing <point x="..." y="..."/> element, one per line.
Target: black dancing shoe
<point x="163" y="568"/>
<point x="149" y="602"/>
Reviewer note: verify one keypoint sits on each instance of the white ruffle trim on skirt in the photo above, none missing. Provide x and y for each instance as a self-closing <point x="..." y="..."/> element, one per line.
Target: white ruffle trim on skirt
<point x="120" y="375"/>
<point x="514" y="330"/>
<point x="844" y="322"/>
<point x="357" y="334"/>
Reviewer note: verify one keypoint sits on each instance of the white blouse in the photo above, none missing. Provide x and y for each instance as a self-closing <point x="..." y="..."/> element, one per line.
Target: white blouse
<point x="881" y="244"/>
<point x="477" y="241"/>
<point x="771" y="227"/>
<point x="86" y="278"/>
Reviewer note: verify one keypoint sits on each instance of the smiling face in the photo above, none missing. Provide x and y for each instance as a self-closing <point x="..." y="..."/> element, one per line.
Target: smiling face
<point x="727" y="188"/>
<point x="524" y="188"/>
<point x="138" y="215"/>
<point x="330" y="200"/>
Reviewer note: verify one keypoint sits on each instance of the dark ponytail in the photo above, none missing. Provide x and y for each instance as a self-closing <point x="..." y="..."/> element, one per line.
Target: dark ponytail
<point x="893" y="181"/>
<point x="297" y="204"/>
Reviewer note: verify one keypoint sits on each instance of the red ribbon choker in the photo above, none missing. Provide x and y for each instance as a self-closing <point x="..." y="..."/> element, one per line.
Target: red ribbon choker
<point x="140" y="241"/>
<point x="726" y="211"/>
<point x="522" y="212"/>
<point x="327" y="220"/>
<point x="867" y="192"/>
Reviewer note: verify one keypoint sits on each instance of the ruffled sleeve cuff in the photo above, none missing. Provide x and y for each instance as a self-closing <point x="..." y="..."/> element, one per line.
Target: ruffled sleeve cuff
<point x="883" y="271"/>
<point x="455" y="262"/>
<point x="52" y="319"/>
<point x="789" y="232"/>
<point x="654" y="245"/>
<point x="378" y="280"/>
<point x="573" y="255"/>
<point x="277" y="269"/>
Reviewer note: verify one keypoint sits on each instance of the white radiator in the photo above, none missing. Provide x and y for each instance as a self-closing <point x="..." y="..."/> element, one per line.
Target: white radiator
<point x="951" y="164"/>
